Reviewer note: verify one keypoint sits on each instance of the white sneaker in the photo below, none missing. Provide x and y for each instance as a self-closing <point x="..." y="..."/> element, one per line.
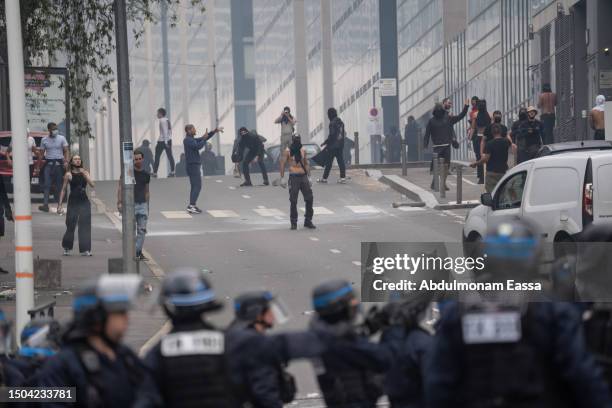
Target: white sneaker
<point x="191" y="209"/>
<point x="322" y="181"/>
<point x="342" y="181"/>
<point x="86" y="253"/>
<point x="66" y="252"/>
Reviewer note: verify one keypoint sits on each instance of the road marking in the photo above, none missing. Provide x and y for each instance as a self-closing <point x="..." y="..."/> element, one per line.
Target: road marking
<point x="231" y="187"/>
<point x="335" y="251"/>
<point x="223" y="213"/>
<point x="363" y="209"/>
<point x="261" y="206"/>
<point x="356" y="263"/>
<point x="219" y="181"/>
<point x="173" y="215"/>
<point x="319" y="211"/>
<point x="469" y="182"/>
<point x="269" y="212"/>
<point x="246" y="196"/>
<point x="410" y="209"/>
<point x="313" y="238"/>
<point x="149" y="344"/>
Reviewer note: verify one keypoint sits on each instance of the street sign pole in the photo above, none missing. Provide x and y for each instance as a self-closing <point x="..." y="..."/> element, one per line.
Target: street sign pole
<point x="24" y="265"/>
<point x="125" y="136"/>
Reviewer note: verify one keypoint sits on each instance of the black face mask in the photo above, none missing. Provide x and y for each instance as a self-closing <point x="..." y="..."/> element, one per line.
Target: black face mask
<point x="497" y="119"/>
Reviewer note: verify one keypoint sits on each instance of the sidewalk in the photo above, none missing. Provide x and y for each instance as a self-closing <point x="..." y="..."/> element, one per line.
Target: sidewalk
<point x="47" y="232"/>
<point x="416" y="185"/>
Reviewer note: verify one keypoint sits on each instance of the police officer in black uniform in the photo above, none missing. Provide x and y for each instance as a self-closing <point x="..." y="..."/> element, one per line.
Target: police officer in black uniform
<point x="349" y="371"/>
<point x="189" y="366"/>
<point x="410" y="337"/>
<point x="40" y="340"/>
<point x="105" y="372"/>
<point x="535" y="354"/>
<point x="266" y="383"/>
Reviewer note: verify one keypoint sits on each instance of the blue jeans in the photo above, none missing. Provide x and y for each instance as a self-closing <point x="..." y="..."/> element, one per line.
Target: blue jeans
<point x="195" y="180"/>
<point x="53" y="174"/>
<point x="141" y="210"/>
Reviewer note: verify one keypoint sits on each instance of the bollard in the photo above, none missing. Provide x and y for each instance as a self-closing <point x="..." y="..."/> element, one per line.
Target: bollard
<point x="459" y="184"/>
<point x="436" y="179"/>
<point x="403" y="158"/>
<point x="356" y="148"/>
<point x="441" y="188"/>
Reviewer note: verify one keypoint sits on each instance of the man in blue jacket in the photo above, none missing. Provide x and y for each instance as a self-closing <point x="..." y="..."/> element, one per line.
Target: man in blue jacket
<point x="192" y="146"/>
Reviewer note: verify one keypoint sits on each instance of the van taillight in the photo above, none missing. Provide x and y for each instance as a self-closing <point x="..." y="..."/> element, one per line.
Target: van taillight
<point x="587" y="199"/>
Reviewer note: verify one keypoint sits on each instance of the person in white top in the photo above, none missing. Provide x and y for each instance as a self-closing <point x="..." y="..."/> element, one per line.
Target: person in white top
<point x="31" y="147"/>
<point x="164" y="143"/>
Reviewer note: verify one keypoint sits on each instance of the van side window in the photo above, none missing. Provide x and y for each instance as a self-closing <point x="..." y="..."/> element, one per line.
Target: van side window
<point x="510" y="194"/>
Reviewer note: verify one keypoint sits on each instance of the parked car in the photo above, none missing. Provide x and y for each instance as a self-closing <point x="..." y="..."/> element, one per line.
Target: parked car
<point x="564" y="147"/>
<point x="560" y="193"/>
<point x="6" y="171"/>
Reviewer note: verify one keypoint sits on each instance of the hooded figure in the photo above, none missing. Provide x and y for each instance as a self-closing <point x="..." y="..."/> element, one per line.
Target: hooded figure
<point x="442" y="135"/>
<point x="335" y="145"/>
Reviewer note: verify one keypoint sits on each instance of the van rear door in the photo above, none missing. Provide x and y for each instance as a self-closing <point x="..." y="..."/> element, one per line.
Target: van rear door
<point x="602" y="188"/>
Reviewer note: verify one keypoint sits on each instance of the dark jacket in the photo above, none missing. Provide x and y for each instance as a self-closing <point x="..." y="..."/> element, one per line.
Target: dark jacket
<point x="557" y="340"/>
<point x="404" y="380"/>
<point x="5" y="206"/>
<point x="120" y="380"/>
<point x="252" y="142"/>
<point x="530" y="134"/>
<point x="336" y="136"/>
<point x="440" y="131"/>
<point x="352" y="366"/>
<point x="193" y="145"/>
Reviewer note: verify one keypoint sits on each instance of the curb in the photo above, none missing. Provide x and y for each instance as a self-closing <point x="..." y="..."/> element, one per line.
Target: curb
<point x="420" y="196"/>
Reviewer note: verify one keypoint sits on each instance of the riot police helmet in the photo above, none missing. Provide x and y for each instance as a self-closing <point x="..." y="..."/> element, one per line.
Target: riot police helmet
<point x="250" y="306"/>
<point x="335" y="301"/>
<point x="97" y="299"/>
<point x="40" y="337"/>
<point x="186" y="294"/>
<point x="512" y="247"/>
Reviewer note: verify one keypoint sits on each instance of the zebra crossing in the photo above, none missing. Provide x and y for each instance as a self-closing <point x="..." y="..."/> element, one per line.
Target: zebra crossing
<point x="263" y="211"/>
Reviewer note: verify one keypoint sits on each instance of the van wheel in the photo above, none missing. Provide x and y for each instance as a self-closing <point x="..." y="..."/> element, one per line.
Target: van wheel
<point x="564" y="245"/>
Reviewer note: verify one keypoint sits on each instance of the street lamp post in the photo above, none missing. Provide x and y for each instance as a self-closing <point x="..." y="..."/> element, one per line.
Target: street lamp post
<point x="125" y="137"/>
<point x="24" y="264"/>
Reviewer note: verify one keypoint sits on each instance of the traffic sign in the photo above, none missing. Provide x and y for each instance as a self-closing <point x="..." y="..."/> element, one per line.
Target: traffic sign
<point x="387" y="86"/>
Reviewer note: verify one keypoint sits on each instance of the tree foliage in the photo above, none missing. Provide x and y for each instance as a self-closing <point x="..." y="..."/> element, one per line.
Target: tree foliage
<point x="83" y="32"/>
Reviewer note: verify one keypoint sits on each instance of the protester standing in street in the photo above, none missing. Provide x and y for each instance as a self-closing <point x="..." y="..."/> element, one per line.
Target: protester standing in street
<point x="55" y="150"/>
<point x="295" y="156"/>
<point x="393" y="143"/>
<point x="347" y="151"/>
<point x="209" y="161"/>
<point x="192" y="146"/>
<point x="598" y="118"/>
<point x="287" y="122"/>
<point x="479" y="124"/>
<point x="547" y="103"/>
<point x="442" y="135"/>
<point x="251" y="140"/>
<point x="141" y="201"/>
<point x="164" y="143"/>
<point x="79" y="207"/>
<point x="530" y="136"/>
<point x="447" y="103"/>
<point x="495" y="155"/>
<point x="515" y="131"/>
<point x="148" y="155"/>
<point x="411" y="137"/>
<point x="335" y="145"/>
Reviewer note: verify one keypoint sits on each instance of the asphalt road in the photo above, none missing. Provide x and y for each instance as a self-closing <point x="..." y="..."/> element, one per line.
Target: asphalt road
<point x="245" y="241"/>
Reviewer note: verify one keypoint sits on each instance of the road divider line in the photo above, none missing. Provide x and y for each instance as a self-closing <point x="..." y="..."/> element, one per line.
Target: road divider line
<point x="335" y="251"/>
<point x="149" y="344"/>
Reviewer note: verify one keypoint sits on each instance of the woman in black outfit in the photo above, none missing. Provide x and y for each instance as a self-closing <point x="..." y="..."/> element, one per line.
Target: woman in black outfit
<point x="479" y="124"/>
<point x="79" y="208"/>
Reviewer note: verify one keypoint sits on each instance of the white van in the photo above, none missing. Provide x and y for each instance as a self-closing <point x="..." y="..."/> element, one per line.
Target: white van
<point x="561" y="194"/>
